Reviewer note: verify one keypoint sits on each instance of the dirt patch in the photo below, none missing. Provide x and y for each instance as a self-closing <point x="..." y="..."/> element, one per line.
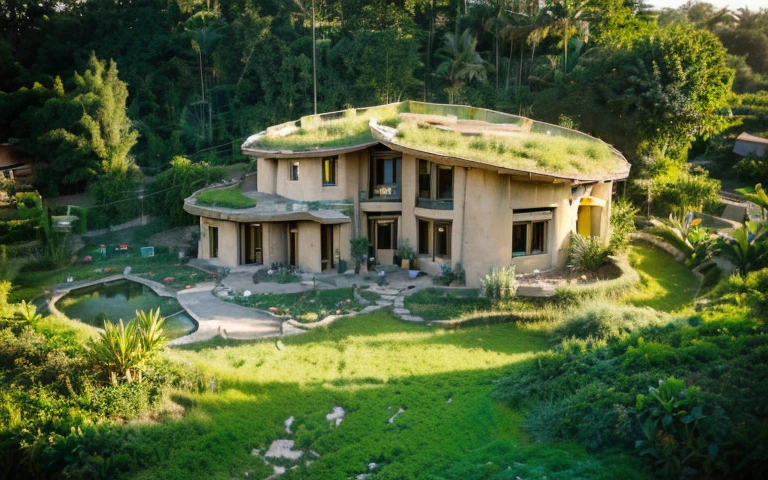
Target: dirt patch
<point x="179" y="237"/>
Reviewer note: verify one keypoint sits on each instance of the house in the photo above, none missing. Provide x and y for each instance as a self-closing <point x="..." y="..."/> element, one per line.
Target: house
<point x="461" y="184"/>
<point x="15" y="166"/>
<point x="750" y="145"/>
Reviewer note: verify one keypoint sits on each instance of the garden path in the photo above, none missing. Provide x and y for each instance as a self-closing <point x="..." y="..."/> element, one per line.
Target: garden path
<point x="217" y="317"/>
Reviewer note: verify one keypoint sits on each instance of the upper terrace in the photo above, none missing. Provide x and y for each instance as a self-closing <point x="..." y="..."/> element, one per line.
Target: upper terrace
<point x="474" y="136"/>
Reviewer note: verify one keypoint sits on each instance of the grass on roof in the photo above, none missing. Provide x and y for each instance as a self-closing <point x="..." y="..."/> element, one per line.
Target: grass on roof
<point x="525" y="151"/>
<point x="230" y="197"/>
<point x="351" y="129"/>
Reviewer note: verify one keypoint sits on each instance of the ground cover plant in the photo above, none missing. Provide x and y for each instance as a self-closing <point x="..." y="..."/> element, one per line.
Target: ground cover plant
<point x="371" y="366"/>
<point x="230" y="197"/>
<point x="466" y="305"/>
<point x="52" y="390"/>
<point x="309" y="306"/>
<point x="315" y="132"/>
<point x="685" y="393"/>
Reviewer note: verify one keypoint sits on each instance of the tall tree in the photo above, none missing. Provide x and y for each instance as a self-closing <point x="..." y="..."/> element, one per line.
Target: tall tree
<point x="461" y="63"/>
<point x="567" y="19"/>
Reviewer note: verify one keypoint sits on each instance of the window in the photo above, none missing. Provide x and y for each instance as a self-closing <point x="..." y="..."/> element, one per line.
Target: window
<point x="294" y="171"/>
<point x="425" y="178"/>
<point x="443" y="240"/>
<point x="529" y="238"/>
<point x="384" y="177"/>
<point x="213" y="242"/>
<point x="444" y="182"/>
<point x="423" y="237"/>
<point x="329" y="171"/>
<point x="385" y="171"/>
<point x="435" y="181"/>
<point x="434" y="239"/>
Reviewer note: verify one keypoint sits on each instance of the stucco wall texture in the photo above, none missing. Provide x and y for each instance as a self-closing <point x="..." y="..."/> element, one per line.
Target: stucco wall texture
<point x="484" y="204"/>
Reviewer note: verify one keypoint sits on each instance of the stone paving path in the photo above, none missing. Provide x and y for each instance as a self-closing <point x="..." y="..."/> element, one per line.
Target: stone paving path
<point x="217" y="317"/>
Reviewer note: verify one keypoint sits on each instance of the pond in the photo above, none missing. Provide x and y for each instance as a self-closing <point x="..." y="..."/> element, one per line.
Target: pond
<point x="120" y="299"/>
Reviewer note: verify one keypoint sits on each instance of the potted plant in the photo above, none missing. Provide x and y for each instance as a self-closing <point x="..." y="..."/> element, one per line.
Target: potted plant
<point x="405" y="253"/>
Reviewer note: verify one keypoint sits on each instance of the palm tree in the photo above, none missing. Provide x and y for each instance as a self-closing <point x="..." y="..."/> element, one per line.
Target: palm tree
<point x="566" y="20"/>
<point x="461" y="63"/>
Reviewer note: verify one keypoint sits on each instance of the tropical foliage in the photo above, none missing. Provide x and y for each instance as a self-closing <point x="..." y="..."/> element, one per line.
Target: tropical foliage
<point x="122" y="350"/>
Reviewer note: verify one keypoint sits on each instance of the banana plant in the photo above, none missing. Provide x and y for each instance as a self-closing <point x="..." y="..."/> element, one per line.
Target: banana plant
<point x="687" y="236"/>
<point x="746" y="247"/>
<point x="759" y="198"/>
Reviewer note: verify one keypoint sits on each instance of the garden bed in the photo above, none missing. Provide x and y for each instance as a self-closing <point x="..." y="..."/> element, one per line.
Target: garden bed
<point x="305" y="307"/>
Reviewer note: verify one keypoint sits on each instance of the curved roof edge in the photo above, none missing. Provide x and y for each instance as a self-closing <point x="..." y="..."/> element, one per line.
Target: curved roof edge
<point x="385" y="135"/>
<point x="235" y="216"/>
<point x="320" y="152"/>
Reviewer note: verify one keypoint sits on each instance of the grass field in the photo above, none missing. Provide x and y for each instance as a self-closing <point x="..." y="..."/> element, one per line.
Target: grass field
<point x="666" y="284"/>
<point x="371" y="365"/>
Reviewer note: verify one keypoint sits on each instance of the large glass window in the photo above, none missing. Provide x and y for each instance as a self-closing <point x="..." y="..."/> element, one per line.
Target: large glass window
<point x="434" y="238"/>
<point x="529" y="238"/>
<point x="444" y="182"/>
<point x="423" y="237"/>
<point x="425" y="179"/>
<point x="384" y="175"/>
<point x="443" y="239"/>
<point x="435" y="181"/>
<point x="329" y="171"/>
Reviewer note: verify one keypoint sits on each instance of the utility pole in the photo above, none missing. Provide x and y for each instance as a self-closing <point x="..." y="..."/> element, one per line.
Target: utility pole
<point x="314" y="59"/>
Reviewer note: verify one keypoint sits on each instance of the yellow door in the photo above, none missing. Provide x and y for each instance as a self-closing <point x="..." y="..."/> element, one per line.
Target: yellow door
<point x="584" y="221"/>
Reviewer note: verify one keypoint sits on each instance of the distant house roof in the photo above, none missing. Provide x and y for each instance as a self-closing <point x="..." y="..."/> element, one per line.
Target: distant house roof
<point x="745" y="137"/>
<point x="461" y="134"/>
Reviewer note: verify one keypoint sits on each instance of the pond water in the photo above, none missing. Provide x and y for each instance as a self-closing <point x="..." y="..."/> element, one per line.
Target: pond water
<point x="115" y="300"/>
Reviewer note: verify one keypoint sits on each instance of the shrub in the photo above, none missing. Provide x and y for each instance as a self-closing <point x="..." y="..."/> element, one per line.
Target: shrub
<point x="81" y="225"/>
<point x="167" y="191"/>
<point x="680" y="192"/>
<point x="404" y="250"/>
<point x="750" y="291"/>
<point x="447" y="275"/>
<point x="500" y="285"/>
<point x="358" y="248"/>
<point x="622" y="224"/>
<point x="588" y="253"/>
<point x="460" y="274"/>
<point x="122" y="350"/>
<point x="675" y="433"/>
<point x="607" y="321"/>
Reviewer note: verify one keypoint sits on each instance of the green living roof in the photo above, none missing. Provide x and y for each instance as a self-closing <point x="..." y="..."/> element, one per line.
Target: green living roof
<point x="458" y="132"/>
<point x="347" y="128"/>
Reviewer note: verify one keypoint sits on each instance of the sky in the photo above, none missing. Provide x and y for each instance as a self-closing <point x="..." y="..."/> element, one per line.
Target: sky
<point x="733" y="4"/>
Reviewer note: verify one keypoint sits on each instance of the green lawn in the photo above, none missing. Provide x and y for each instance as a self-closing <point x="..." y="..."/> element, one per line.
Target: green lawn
<point x="230" y="197"/>
<point x="371" y="365"/>
<point x="666" y="284"/>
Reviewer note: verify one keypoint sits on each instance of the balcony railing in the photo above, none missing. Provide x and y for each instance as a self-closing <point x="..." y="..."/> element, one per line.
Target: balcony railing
<point x="434" y="204"/>
<point x="385" y="193"/>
